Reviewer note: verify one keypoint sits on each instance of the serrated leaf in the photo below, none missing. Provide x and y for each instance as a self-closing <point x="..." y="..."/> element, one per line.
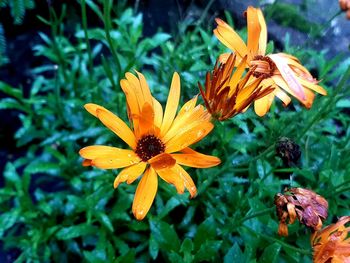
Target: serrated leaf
<point x="165" y="235"/>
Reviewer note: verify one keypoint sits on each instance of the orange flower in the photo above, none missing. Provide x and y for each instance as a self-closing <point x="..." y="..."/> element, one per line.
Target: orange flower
<point x="302" y="204"/>
<point x="332" y="244"/>
<point x="227" y="93"/>
<point x="159" y="142"/>
<point x="282" y="71"/>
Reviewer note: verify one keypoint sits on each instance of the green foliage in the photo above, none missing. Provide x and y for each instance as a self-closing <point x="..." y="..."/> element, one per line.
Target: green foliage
<point x="53" y="209"/>
<point x="18" y="8"/>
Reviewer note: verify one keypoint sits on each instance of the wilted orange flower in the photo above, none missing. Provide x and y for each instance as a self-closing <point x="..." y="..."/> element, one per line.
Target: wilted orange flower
<point x="227" y="92"/>
<point x="159" y="142"/>
<point x="282" y="71"/>
<point x="345" y="6"/>
<point x="332" y="243"/>
<point x="305" y="205"/>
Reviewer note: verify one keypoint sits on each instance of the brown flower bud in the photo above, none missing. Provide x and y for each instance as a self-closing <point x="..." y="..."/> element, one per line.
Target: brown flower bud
<point x="302" y="204"/>
<point x="343" y="4"/>
<point x="331" y="244"/>
<point x="288" y="151"/>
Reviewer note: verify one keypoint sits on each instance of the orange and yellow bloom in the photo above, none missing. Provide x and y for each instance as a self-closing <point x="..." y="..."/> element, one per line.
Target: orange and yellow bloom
<point x="332" y="244"/>
<point x="281" y="71"/>
<point x="227" y="92"/>
<point x="159" y="143"/>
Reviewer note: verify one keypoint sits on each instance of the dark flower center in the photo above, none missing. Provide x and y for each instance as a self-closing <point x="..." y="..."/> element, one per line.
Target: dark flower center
<point x="149" y="146"/>
<point x="265" y="67"/>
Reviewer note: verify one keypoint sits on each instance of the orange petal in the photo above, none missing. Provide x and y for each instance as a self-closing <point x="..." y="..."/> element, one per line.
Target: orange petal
<point x="115" y="163"/>
<point x="195" y="159"/>
<point x="145" y="193"/>
<point x="130" y="174"/>
<point x="172" y="104"/>
<point x="188" y="106"/>
<point x="146" y="119"/>
<point x="135" y="88"/>
<point x="236" y="77"/>
<point x="282" y="96"/>
<point x="162" y="161"/>
<point x="194" y="132"/>
<point x="312" y="86"/>
<point x="262" y="106"/>
<point x="145" y="89"/>
<point x="171" y="177"/>
<point x="253" y="30"/>
<point x="263" y="33"/>
<point x="130" y="97"/>
<point x="158" y="113"/>
<point x="189" y="184"/>
<point x="116" y="125"/>
<point x="230" y="38"/>
<point x="92" y="108"/>
<point x="86" y="162"/>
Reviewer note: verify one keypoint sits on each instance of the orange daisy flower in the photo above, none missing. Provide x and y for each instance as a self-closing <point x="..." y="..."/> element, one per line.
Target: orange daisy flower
<point x="159" y="142"/>
<point x="227" y="93"/>
<point x="282" y="71"/>
<point x="332" y="244"/>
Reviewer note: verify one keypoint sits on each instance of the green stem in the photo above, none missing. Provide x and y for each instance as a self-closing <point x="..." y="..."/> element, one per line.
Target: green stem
<point x="282" y="243"/>
<point x="107" y="23"/>
<point x="84" y="21"/>
<point x="258" y="213"/>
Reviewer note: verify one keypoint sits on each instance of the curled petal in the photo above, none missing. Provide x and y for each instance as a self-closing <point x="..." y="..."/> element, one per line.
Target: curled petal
<point x="130" y="174"/>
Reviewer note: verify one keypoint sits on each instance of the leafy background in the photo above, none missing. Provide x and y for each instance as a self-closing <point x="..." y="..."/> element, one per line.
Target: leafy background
<point x="53" y="209"/>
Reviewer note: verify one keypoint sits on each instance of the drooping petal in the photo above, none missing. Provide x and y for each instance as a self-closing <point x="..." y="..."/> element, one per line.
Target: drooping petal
<point x="145" y="193"/>
<point x="230" y="38"/>
<point x="262" y="106"/>
<point x="130" y="174"/>
<point x="194" y="132"/>
<point x="172" y="104"/>
<point x="253" y="30"/>
<point x="192" y="158"/>
<point x="282" y="96"/>
<point x="162" y="161"/>
<point x="289" y="76"/>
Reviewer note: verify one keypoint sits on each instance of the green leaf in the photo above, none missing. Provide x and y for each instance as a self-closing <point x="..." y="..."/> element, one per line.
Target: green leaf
<point x="9" y="90"/>
<point x="104" y="219"/>
<point x="11" y="174"/>
<point x="165" y="235"/>
<point x="208" y="251"/>
<point x="234" y="254"/>
<point x="205" y="231"/>
<point x="270" y="254"/>
<point x="76" y="231"/>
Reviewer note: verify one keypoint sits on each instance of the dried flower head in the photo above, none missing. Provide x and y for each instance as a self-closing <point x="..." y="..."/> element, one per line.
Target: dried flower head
<point x="284" y="72"/>
<point x="288" y="151"/>
<point x="332" y="243"/>
<point x="227" y="92"/>
<point x="305" y="205"/>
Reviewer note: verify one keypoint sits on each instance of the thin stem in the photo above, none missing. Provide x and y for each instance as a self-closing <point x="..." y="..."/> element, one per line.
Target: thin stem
<point x="282" y="243"/>
<point x="107" y="22"/>
<point x="258" y="213"/>
<point x="84" y="21"/>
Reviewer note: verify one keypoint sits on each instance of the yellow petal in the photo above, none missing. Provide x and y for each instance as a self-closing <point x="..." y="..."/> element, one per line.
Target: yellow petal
<point x="145" y="193"/>
<point x="263" y="33"/>
<point x="96" y="151"/>
<point x="312" y="86"/>
<point x="162" y="161"/>
<point x="92" y="108"/>
<point x="135" y="88"/>
<point x="130" y="174"/>
<point x="262" y="106"/>
<point x="146" y="119"/>
<point x="253" y="30"/>
<point x="195" y="159"/>
<point x="236" y="77"/>
<point x="193" y="133"/>
<point x="282" y="96"/>
<point x="188" y="106"/>
<point x="172" y="104"/>
<point x="116" y="125"/>
<point x="230" y="38"/>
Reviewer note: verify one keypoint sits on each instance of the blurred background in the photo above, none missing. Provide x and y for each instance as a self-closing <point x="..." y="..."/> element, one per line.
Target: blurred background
<point x="55" y="56"/>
